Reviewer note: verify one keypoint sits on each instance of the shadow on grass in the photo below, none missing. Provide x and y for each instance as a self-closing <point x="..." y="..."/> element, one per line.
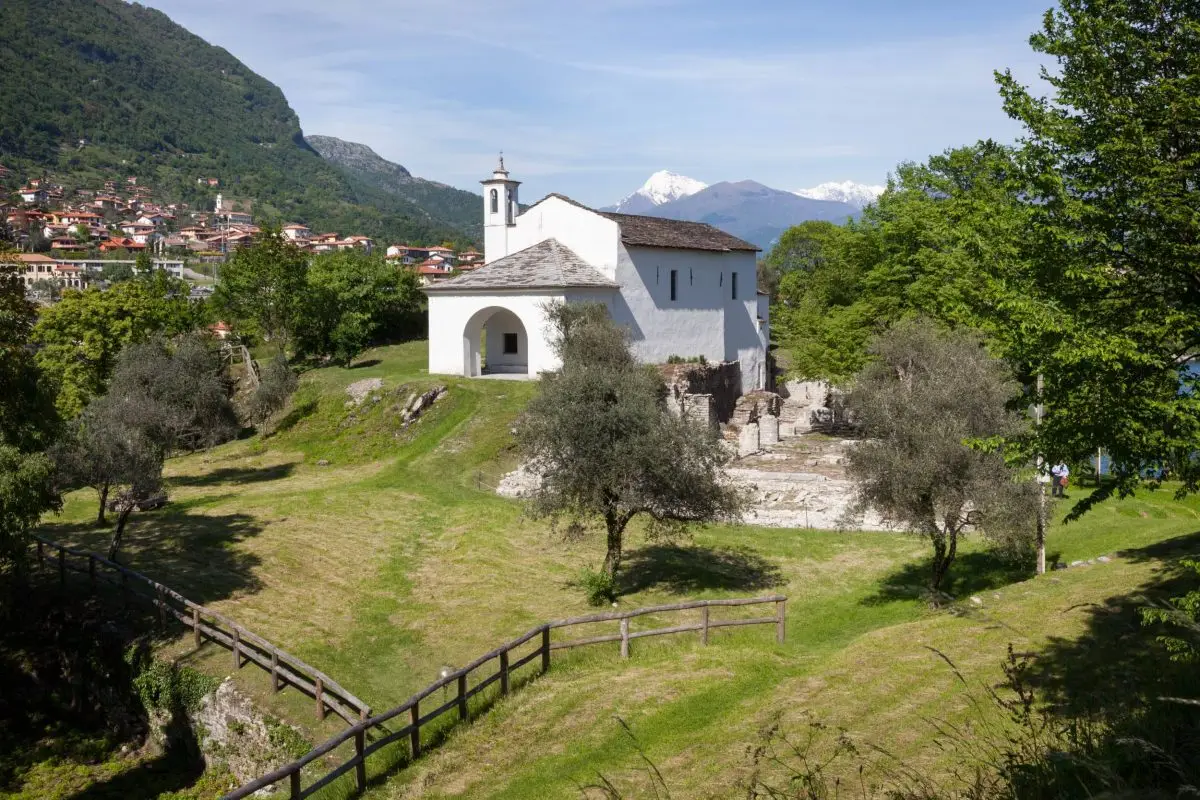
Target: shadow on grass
<point x="294" y="417"/>
<point x="195" y="554"/>
<point x="971" y="573"/>
<point x="686" y="570"/>
<point x="370" y="362"/>
<point x="71" y="696"/>
<point x="180" y="766"/>
<point x="234" y="475"/>
<point x="1111" y="689"/>
<point x="1117" y="664"/>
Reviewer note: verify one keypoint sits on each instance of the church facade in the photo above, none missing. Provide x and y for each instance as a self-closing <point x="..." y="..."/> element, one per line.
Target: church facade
<point x="682" y="289"/>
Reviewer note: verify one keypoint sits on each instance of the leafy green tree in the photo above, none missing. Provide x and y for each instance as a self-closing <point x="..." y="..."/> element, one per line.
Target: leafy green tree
<point x="352" y="296"/>
<point x="946" y="241"/>
<point x="80" y="337"/>
<point x="28" y="421"/>
<point x="1110" y="162"/>
<point x="608" y="449"/>
<point x="802" y="248"/>
<point x="117" y="272"/>
<point x="82" y="233"/>
<point x="262" y="288"/>
<point x="143" y="265"/>
<point x="934" y="405"/>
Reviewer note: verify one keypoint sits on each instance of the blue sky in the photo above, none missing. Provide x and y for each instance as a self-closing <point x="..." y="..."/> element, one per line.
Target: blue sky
<point x="589" y="98"/>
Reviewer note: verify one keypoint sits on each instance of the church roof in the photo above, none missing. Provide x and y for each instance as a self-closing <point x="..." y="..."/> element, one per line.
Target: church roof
<point x="641" y="231"/>
<point x="548" y="264"/>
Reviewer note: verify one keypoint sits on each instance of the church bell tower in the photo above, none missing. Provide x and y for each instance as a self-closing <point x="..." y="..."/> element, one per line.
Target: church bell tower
<point x="499" y="212"/>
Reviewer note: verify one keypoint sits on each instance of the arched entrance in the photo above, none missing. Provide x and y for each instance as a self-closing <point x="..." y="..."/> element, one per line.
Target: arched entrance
<point x="495" y="342"/>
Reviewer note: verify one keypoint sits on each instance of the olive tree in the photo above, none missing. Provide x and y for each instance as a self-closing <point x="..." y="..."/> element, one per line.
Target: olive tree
<point x="608" y="449"/>
<point x="933" y="405"/>
<point x="163" y="397"/>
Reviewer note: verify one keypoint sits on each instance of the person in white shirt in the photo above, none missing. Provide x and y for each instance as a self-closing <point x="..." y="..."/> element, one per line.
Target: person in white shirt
<point x="1058" y="486"/>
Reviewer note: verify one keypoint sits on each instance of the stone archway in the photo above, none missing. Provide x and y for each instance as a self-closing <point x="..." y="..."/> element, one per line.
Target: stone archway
<point x="495" y="342"/>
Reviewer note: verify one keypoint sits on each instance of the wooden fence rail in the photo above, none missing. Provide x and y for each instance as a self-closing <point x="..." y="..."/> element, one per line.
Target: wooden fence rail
<point x="458" y="681"/>
<point x="244" y="645"/>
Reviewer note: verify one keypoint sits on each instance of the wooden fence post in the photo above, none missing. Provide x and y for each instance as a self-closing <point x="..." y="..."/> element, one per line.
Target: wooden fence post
<point x="780" y="617"/>
<point x="274" y="670"/>
<point x="62" y="566"/>
<point x="237" y="655"/>
<point x="463" y="712"/>
<point x="624" y="637"/>
<point x="414" y="738"/>
<point x="41" y="551"/>
<point x="295" y="784"/>
<point x="92" y="570"/>
<point x="704" y="625"/>
<point x="545" y="649"/>
<point x="196" y="627"/>
<point x="503" y="672"/>
<point x="360" y="769"/>
<point x="162" y="608"/>
<point x="319" y="691"/>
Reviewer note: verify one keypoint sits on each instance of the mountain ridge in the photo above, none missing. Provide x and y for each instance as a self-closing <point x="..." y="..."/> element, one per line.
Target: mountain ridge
<point x="362" y="165"/>
<point x="125" y="91"/>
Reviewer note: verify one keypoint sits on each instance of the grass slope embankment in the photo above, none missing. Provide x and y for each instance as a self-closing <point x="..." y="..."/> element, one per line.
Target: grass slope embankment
<point x="395" y="558"/>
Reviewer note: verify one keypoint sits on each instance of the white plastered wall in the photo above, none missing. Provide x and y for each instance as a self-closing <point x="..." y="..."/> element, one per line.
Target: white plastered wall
<point x="592" y="237"/>
<point x="456" y="323"/>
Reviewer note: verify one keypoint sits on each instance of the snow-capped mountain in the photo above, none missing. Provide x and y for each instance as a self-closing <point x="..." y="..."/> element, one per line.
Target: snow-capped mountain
<point x="662" y="187"/>
<point x="859" y="195"/>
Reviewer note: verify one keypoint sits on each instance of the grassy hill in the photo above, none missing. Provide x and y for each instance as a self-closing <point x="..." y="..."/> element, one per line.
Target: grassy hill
<point x="151" y="100"/>
<point x="396" y="558"/>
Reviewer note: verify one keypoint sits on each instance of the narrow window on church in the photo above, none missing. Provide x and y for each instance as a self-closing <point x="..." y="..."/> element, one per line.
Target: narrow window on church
<point x="510" y="344"/>
<point x="495" y="201"/>
<point x="674" y="283"/>
<point x="733" y="284"/>
<point x="691" y="278"/>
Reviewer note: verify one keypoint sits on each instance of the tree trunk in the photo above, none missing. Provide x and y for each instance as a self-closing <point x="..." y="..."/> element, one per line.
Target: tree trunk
<point x="119" y="532"/>
<point x="616" y="532"/>
<point x="100" y="520"/>
<point x="948" y="553"/>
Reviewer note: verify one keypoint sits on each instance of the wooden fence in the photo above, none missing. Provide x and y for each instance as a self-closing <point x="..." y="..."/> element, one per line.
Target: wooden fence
<point x="245" y="645"/>
<point x="507" y="664"/>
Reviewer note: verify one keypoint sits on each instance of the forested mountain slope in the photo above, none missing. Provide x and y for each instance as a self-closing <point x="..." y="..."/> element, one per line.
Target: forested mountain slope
<point x="102" y="89"/>
<point x="363" y="166"/>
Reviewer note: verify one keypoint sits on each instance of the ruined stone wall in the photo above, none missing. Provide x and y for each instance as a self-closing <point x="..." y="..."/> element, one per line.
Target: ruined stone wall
<point x="721" y="383"/>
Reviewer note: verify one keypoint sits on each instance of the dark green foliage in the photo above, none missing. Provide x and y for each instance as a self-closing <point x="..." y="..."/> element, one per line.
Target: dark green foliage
<point x="162" y="686"/>
<point x="1110" y="161"/>
<point x="116" y="273"/>
<point x="161" y="398"/>
<point x="926" y="399"/>
<point x="599" y="433"/>
<point x="262" y="290"/>
<point x="599" y="586"/>
<point x="943" y="242"/>
<point x="156" y="102"/>
<point x="28" y="421"/>
<point x="276" y="384"/>
<point x="1181" y="615"/>
<point x="350" y="297"/>
<point x="80" y="337"/>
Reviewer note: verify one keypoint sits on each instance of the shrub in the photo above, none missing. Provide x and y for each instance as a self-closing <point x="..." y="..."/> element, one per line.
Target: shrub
<point x="599" y="586"/>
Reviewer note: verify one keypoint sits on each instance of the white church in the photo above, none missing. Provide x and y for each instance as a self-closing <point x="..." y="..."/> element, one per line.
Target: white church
<point x="681" y="288"/>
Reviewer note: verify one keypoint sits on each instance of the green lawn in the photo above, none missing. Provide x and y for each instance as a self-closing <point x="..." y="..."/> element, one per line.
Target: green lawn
<point x="396" y="558"/>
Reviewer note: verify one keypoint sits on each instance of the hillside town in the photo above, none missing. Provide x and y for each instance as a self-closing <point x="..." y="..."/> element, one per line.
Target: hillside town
<point x="69" y="237"/>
